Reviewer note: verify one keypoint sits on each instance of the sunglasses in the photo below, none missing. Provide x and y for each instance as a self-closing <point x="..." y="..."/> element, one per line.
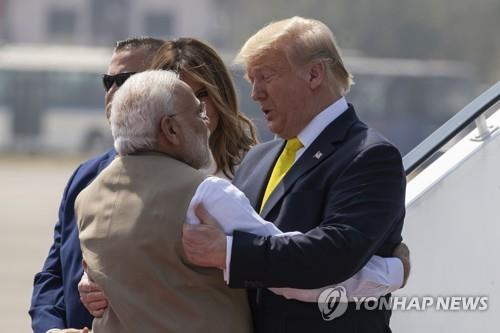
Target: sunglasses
<point x="119" y="79"/>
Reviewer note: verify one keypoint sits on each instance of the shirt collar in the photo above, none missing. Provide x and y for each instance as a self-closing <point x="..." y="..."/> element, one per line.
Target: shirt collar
<point x="321" y="121"/>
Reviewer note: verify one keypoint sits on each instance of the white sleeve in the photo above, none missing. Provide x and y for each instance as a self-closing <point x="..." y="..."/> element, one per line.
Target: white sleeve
<point x="230" y="207"/>
<point x="378" y="277"/>
<point x="229" y="247"/>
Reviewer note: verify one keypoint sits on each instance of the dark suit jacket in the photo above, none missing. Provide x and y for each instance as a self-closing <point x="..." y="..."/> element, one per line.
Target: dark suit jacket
<point x="347" y="194"/>
<point x="55" y="302"/>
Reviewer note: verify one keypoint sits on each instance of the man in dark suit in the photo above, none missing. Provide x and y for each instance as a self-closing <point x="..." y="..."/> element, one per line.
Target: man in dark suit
<point x="55" y="303"/>
<point x="331" y="177"/>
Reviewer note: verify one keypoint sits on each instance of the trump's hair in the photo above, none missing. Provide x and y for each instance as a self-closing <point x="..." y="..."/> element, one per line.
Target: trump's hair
<point x="302" y="40"/>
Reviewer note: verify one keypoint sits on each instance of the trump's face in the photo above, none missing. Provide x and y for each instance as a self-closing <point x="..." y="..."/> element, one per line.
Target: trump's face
<point x="282" y="92"/>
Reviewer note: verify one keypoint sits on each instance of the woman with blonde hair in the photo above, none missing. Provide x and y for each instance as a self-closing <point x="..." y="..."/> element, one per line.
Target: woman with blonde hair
<point x="199" y="65"/>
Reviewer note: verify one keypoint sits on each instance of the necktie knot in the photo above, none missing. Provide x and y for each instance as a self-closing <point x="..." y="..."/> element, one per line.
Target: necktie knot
<point x="283" y="164"/>
<point x="293" y="145"/>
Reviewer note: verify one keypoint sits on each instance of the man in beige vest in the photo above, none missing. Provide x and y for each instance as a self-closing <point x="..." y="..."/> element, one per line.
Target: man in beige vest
<point x="130" y="218"/>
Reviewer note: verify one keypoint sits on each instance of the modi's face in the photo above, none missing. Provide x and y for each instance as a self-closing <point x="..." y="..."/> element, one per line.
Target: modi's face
<point x="194" y="122"/>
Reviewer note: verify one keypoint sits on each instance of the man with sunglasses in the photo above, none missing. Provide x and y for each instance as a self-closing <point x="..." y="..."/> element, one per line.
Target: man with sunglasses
<point x="55" y="303"/>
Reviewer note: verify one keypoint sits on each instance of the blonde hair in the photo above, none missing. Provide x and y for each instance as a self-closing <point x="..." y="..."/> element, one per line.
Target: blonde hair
<point x="235" y="134"/>
<point x="302" y="40"/>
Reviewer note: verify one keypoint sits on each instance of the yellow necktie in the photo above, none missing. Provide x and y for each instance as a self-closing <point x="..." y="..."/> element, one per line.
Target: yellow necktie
<point x="281" y="167"/>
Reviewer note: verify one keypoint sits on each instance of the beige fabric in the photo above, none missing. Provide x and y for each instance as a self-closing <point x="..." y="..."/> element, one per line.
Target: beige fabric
<point x="130" y="221"/>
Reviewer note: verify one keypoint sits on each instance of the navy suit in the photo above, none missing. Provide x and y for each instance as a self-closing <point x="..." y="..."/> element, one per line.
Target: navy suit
<point x="55" y="302"/>
<point x="347" y="194"/>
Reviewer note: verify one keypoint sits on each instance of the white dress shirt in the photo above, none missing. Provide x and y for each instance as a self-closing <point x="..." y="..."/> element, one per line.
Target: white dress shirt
<point x="319" y="123"/>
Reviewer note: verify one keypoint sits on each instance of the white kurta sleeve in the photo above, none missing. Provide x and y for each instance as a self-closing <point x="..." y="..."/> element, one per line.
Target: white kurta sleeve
<point x="230" y="207"/>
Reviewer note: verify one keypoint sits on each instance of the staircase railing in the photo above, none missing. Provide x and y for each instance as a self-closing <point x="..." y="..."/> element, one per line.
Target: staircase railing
<point x="474" y="111"/>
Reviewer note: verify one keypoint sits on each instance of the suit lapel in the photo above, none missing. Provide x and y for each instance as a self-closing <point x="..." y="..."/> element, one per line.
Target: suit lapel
<point x="324" y="146"/>
<point x="258" y="181"/>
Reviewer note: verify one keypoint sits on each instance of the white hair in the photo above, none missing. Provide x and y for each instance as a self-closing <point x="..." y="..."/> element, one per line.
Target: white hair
<point x="138" y="107"/>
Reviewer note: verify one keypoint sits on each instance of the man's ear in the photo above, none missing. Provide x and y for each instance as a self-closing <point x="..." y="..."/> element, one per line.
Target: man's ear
<point x="316" y="74"/>
<point x="170" y="130"/>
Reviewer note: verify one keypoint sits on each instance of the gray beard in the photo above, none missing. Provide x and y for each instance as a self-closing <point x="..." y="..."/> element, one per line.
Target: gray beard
<point x="199" y="156"/>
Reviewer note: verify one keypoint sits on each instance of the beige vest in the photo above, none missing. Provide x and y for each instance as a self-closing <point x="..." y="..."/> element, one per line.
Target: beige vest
<point x="130" y="221"/>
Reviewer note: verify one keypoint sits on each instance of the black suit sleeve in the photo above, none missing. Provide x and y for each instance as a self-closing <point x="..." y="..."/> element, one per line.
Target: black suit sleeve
<point x="361" y="208"/>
